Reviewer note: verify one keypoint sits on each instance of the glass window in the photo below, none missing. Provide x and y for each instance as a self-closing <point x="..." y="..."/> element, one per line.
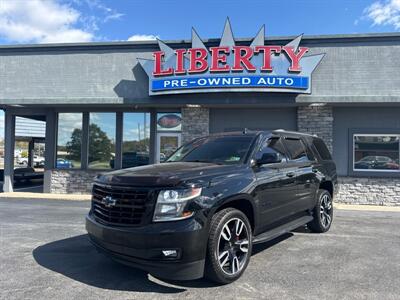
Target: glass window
<point x="136" y="140"/>
<point x="169" y="122"/>
<point x="322" y="149"/>
<point x="101" y="140"/>
<point x="69" y="140"/>
<point x="376" y="152"/>
<point x="296" y="149"/>
<point x="272" y="145"/>
<point x="219" y="150"/>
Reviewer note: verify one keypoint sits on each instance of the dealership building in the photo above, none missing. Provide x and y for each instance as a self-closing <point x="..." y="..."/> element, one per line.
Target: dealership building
<point x="118" y="104"/>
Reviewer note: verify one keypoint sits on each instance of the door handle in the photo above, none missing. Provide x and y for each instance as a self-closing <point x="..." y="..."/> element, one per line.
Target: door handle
<point x="290" y="174"/>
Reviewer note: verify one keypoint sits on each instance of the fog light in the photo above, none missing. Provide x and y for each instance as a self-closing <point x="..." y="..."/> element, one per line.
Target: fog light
<point x="170" y="253"/>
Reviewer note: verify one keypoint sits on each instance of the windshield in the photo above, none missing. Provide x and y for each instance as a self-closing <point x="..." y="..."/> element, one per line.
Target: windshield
<point x="220" y="150"/>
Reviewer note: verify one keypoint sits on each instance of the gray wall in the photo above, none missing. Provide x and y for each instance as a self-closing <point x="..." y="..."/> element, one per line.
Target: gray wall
<point x="348" y="118"/>
<point x="362" y="68"/>
<point x="256" y="119"/>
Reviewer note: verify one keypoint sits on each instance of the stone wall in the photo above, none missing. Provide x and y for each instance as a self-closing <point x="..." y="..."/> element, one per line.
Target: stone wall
<point x="317" y="120"/>
<point x="195" y="123"/>
<point x="367" y="190"/>
<point x="72" y="181"/>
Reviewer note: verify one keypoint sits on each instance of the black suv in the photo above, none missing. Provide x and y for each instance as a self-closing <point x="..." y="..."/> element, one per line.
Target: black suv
<point x="199" y="213"/>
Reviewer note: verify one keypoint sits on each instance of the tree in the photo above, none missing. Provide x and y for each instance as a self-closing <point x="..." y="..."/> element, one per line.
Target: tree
<point x="73" y="146"/>
<point x="100" y="146"/>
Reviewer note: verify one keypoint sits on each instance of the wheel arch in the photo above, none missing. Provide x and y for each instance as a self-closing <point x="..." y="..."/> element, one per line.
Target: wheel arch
<point x="327" y="185"/>
<point x="242" y="202"/>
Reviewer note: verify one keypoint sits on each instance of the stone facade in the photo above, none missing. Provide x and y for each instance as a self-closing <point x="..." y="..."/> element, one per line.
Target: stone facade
<point x="195" y="123"/>
<point x="367" y="190"/>
<point x="317" y="120"/>
<point x="72" y="181"/>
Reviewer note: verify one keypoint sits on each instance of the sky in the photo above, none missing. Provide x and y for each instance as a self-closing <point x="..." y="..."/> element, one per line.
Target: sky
<point x="62" y="21"/>
<point x="54" y="21"/>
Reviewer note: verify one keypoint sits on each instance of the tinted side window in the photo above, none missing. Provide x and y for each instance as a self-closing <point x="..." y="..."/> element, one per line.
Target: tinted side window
<point x="322" y="149"/>
<point x="296" y="149"/>
<point x="272" y="145"/>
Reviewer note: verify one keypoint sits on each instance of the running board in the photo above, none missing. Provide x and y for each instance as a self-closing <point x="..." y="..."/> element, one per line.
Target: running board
<point x="278" y="231"/>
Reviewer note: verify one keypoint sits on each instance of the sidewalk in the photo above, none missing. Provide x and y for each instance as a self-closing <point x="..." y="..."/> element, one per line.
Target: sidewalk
<point x="43" y="196"/>
<point x="74" y="197"/>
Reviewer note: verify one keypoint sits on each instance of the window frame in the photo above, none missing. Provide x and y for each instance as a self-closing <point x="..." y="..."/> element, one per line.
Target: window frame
<point x="351" y="152"/>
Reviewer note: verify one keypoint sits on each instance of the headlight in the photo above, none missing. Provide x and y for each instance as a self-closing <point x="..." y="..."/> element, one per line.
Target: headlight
<point x="171" y="204"/>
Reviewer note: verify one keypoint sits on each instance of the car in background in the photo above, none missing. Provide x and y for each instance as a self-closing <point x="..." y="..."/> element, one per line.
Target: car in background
<point x="63" y="163"/>
<point x="38" y="161"/>
<point x="132" y="159"/>
<point x="25" y="174"/>
<point x="376" y="162"/>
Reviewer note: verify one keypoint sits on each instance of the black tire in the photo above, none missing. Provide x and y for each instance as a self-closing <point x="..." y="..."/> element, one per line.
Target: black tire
<point x="322" y="213"/>
<point x="235" y="260"/>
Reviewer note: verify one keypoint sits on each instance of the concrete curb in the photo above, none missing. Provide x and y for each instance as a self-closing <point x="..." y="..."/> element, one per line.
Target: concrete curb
<point x="42" y="196"/>
<point x="364" y="207"/>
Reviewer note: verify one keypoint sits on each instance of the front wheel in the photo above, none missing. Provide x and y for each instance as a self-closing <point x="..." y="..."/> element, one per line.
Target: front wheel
<point x="323" y="213"/>
<point x="229" y="246"/>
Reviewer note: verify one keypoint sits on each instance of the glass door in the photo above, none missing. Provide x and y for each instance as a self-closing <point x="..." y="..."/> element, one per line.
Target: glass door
<point x="167" y="143"/>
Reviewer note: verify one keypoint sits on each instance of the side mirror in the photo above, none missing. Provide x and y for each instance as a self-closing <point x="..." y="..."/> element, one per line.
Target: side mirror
<point x="269" y="158"/>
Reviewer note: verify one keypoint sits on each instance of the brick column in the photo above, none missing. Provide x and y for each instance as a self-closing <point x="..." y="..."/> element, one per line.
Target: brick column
<point x="316" y="120"/>
<point x="195" y="123"/>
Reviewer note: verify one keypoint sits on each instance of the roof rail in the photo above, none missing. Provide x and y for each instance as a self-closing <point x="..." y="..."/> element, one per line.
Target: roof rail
<point x="294" y="132"/>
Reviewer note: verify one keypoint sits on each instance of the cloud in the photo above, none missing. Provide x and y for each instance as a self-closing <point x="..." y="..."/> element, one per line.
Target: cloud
<point x="143" y="37"/>
<point x="106" y="13"/>
<point x="41" y="21"/>
<point x="384" y="13"/>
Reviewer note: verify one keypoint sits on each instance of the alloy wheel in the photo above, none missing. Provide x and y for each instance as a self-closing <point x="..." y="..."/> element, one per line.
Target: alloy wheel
<point x="326" y="210"/>
<point x="233" y="246"/>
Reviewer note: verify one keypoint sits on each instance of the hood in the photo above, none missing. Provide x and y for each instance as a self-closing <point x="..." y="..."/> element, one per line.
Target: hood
<point x="168" y="174"/>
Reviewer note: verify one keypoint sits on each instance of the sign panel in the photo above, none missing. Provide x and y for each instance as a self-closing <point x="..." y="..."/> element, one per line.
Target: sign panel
<point x="230" y="67"/>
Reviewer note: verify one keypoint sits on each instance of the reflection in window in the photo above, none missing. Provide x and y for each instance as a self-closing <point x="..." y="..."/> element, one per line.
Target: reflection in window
<point x="136" y="140"/>
<point x="101" y="140"/>
<point x="69" y="140"/>
<point x="272" y="146"/>
<point x="376" y="152"/>
<point x="296" y="149"/>
<point x="220" y="150"/>
<point x="169" y="122"/>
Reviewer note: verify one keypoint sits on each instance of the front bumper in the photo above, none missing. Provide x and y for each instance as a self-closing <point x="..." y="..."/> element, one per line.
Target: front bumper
<point x="142" y="247"/>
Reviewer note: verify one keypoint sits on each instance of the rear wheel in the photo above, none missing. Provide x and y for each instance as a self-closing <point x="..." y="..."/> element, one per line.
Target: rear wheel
<point x="229" y="246"/>
<point x="323" y="213"/>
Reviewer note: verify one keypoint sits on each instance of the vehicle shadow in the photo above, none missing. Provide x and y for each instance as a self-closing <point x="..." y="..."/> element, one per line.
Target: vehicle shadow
<point x="77" y="259"/>
<point x="256" y="249"/>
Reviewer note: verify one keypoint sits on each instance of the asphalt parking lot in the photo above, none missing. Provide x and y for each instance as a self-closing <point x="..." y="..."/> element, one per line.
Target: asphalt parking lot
<point x="45" y="254"/>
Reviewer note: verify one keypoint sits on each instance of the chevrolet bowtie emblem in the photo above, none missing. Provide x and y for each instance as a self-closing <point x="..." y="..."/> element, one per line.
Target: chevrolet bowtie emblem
<point x="108" y="201"/>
